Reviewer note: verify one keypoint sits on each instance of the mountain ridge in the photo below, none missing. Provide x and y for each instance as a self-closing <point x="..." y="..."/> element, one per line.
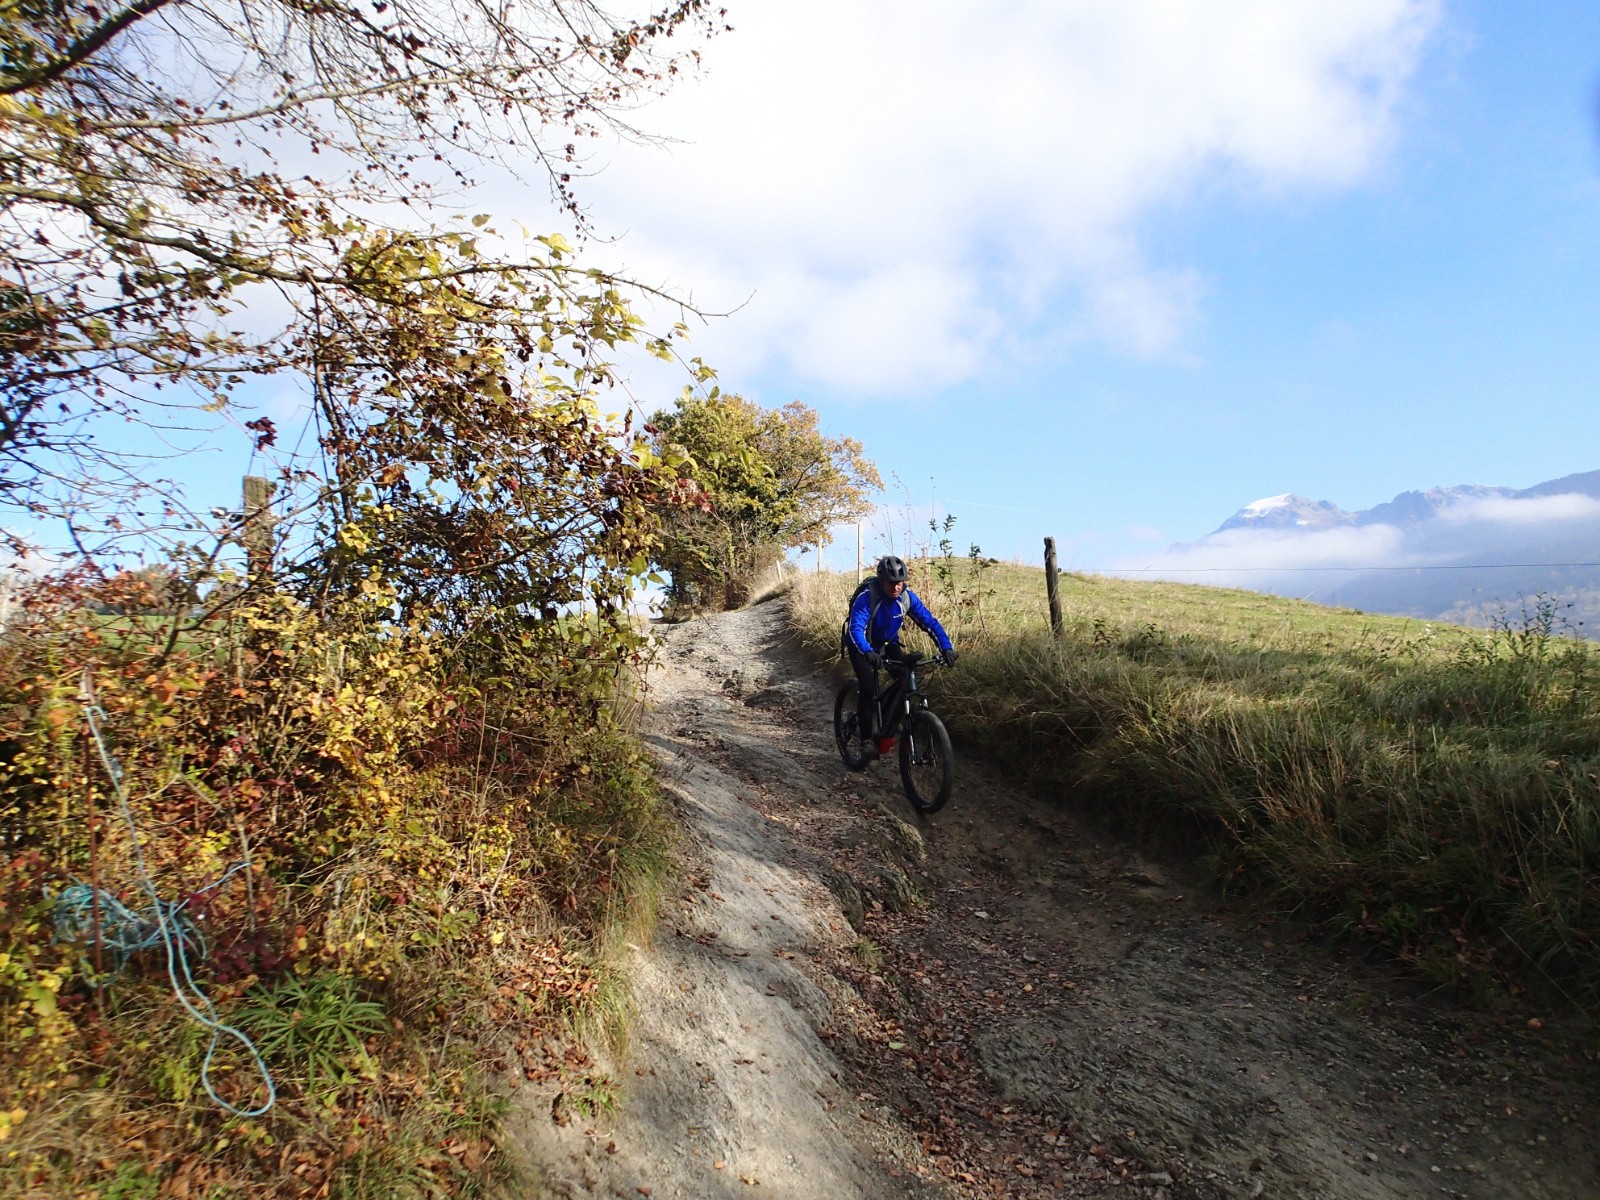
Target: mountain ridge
<point x="1292" y="510"/>
<point x="1471" y="553"/>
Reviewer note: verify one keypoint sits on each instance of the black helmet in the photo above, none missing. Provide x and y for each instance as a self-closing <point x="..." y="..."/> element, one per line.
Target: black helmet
<point x="891" y="569"/>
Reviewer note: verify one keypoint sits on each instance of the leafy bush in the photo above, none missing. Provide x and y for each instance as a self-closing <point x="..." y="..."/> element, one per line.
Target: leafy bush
<point x="431" y="845"/>
<point x="768" y="480"/>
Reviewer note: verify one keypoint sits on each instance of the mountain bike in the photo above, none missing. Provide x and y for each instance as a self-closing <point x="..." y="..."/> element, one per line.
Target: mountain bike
<point x="926" y="757"/>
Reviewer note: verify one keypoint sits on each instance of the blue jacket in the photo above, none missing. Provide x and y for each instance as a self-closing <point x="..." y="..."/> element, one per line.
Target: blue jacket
<point x="875" y="619"/>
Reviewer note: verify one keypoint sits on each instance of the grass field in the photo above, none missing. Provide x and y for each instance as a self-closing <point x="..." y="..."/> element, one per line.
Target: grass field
<point x="1429" y="788"/>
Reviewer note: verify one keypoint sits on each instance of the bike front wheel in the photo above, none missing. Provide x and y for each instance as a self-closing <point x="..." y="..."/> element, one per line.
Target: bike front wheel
<point x="847" y="727"/>
<point x="927" y="761"/>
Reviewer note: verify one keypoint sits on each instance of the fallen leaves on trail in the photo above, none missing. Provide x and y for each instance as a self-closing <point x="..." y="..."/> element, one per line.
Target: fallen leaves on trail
<point x="909" y="1028"/>
<point x="542" y="979"/>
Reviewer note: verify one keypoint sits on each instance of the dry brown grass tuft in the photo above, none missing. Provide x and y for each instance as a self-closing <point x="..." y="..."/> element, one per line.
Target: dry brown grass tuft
<point x="1431" y="788"/>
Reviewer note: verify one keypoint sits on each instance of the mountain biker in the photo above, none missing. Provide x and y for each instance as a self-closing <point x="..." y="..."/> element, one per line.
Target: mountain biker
<point x="871" y="633"/>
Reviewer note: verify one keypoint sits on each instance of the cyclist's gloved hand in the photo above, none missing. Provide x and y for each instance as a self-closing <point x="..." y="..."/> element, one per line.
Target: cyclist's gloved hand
<point x="950" y="657"/>
<point x="874" y="659"/>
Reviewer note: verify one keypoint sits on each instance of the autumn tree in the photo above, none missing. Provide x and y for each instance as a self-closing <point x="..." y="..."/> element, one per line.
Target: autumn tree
<point x="195" y="194"/>
<point x="770" y="480"/>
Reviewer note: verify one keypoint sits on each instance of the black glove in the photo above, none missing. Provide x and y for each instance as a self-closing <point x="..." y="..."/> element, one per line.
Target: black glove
<point x="874" y="659"/>
<point x="950" y="657"/>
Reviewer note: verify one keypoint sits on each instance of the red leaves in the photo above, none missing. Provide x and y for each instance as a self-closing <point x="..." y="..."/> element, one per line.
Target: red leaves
<point x="266" y="432"/>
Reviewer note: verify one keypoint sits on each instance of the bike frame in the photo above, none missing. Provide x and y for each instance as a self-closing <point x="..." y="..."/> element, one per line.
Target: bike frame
<point x="902" y="695"/>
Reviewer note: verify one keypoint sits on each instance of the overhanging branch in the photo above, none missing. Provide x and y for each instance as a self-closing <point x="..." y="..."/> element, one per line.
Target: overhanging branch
<point x="82" y="49"/>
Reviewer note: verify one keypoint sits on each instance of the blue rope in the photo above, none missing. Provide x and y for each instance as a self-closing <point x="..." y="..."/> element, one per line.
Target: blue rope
<point x="119" y="928"/>
<point x="124" y="930"/>
<point x="162" y="923"/>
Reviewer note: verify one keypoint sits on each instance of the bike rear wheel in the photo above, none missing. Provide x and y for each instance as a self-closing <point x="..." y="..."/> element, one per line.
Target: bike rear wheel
<point x="847" y="728"/>
<point x="927" y="761"/>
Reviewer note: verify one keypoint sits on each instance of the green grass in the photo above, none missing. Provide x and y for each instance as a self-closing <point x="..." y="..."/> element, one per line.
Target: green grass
<point x="1430" y="788"/>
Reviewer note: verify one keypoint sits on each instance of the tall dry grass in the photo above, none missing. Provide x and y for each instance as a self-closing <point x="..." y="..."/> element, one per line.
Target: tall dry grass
<point x="1430" y="788"/>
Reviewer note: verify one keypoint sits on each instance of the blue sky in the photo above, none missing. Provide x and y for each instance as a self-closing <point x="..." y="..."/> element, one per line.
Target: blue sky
<point x="1364" y="260"/>
<point x="1109" y="271"/>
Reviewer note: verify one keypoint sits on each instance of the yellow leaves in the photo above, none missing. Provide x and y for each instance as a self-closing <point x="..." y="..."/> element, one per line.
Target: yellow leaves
<point x="37" y="989"/>
<point x="559" y="246"/>
<point x="43" y="999"/>
<point x="354" y="538"/>
<point x="10" y="1119"/>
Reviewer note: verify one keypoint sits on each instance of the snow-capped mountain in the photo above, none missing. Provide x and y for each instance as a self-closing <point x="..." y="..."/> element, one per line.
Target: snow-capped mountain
<point x="1292" y="511"/>
<point x="1409" y="508"/>
<point x="1288" y="511"/>
<point x="1468" y="553"/>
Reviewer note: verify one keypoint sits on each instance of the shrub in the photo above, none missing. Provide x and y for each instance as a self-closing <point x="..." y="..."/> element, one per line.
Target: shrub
<point x="430" y="843"/>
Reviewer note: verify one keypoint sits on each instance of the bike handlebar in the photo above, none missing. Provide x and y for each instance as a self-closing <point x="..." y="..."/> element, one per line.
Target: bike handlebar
<point x="917" y="661"/>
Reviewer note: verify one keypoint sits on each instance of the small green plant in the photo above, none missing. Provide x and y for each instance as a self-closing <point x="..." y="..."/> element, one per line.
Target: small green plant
<point x="595" y="1096"/>
<point x="867" y="953"/>
<point x="317" y="1024"/>
<point x="1531" y="635"/>
<point x="1356" y="1004"/>
<point x="962" y="587"/>
<point x="176" y="1069"/>
<point x="131" y="1181"/>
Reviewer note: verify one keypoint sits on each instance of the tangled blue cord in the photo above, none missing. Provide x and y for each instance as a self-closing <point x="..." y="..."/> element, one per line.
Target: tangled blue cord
<point x="117" y="927"/>
<point x="162" y="923"/>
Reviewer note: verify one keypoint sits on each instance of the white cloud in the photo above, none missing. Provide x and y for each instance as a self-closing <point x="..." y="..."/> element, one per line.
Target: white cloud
<point x="898" y="186"/>
<point x="1145" y="313"/>
<point x="1477" y="551"/>
<point x="1524" y="510"/>
<point x="1243" y="554"/>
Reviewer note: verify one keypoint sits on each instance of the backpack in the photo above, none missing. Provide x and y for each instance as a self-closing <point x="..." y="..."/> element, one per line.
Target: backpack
<point x="871" y="582"/>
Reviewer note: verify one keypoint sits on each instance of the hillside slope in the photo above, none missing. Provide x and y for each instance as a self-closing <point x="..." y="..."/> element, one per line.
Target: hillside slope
<point x="1002" y="1003"/>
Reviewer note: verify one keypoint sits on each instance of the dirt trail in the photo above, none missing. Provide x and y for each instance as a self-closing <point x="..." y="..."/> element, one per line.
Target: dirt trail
<point x="999" y="1002"/>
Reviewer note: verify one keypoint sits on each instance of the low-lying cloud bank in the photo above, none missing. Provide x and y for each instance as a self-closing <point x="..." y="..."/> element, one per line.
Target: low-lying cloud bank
<point x="1467" y="554"/>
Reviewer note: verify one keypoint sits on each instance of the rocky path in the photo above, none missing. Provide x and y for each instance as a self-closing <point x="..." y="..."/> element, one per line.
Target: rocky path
<point x="842" y="1001"/>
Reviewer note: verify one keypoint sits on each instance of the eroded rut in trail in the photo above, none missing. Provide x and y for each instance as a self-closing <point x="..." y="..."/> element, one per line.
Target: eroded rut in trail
<point x="842" y="1001"/>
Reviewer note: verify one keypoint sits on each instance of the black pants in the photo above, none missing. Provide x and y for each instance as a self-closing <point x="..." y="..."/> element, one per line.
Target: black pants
<point x="867" y="683"/>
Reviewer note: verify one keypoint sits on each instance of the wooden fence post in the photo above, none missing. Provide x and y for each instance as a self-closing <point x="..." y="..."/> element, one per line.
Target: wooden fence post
<point x="1052" y="586"/>
<point x="258" y="526"/>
